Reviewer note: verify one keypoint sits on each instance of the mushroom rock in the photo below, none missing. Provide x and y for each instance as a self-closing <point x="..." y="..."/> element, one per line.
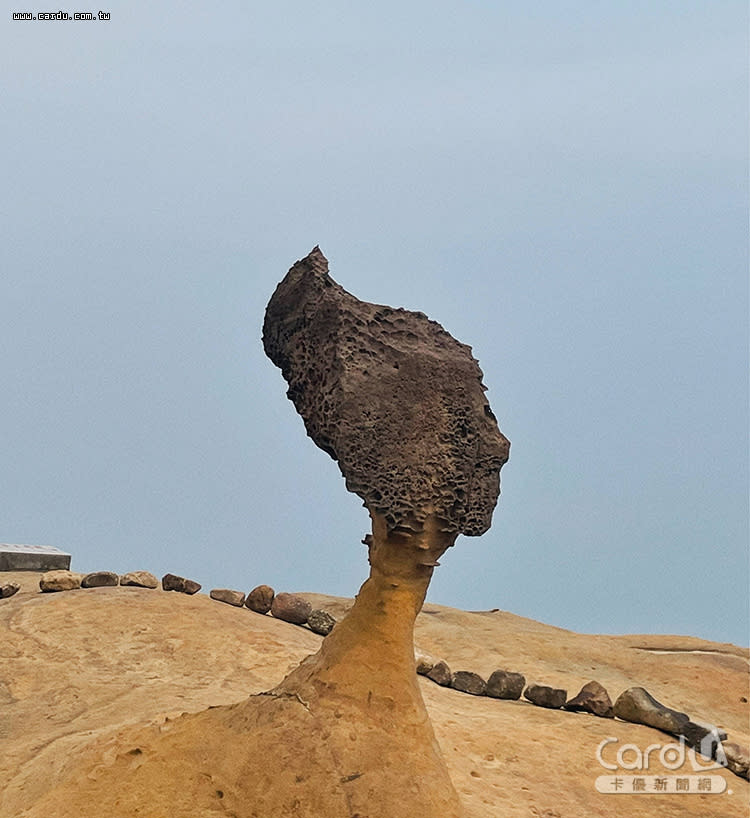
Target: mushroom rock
<point x="400" y="405"/>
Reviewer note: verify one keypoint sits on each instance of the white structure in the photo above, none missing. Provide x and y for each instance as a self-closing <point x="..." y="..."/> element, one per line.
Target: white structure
<point x="32" y="558"/>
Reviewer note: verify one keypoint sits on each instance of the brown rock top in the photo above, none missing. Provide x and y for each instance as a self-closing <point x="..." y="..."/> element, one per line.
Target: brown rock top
<point x="390" y="395"/>
<point x="60" y="580"/>
<point x="260" y="599"/>
<point x="291" y="608"/>
<point x="140" y="579"/>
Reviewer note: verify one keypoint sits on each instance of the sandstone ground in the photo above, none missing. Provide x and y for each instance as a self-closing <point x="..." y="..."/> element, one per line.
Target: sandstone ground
<point x="87" y="668"/>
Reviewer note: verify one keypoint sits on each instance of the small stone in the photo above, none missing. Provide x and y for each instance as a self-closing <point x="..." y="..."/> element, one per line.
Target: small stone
<point x="505" y="684"/>
<point x="260" y="599"/>
<point x="712" y="728"/>
<point x="592" y="698"/>
<point x="291" y="608"/>
<point x="321" y="622"/>
<point x="100" y="579"/>
<point x="172" y="582"/>
<point x="545" y="696"/>
<point x="440" y="674"/>
<point x="637" y="705"/>
<point x="9" y="589"/>
<point x="704" y="737"/>
<point x="468" y="682"/>
<point x="59" y="581"/>
<point x="141" y="579"/>
<point x="737" y="758"/>
<point x="424" y="662"/>
<point x="236" y="598"/>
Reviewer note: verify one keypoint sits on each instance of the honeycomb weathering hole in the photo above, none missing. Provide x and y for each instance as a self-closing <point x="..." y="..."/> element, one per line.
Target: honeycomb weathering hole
<point x="392" y="397"/>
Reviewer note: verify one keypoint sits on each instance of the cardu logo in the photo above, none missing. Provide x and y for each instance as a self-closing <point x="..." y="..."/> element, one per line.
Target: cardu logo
<point x="671" y="756"/>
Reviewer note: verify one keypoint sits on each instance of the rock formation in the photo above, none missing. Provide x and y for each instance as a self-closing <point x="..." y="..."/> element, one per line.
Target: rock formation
<point x="440" y="673"/>
<point x="236" y="598"/>
<point x="321" y="622"/>
<point x="95" y="730"/>
<point x="60" y="580"/>
<point x="592" y="698"/>
<point x="260" y="599"/>
<point x="737" y="758"/>
<point x="545" y="696"/>
<point x="390" y="395"/>
<point x="100" y="579"/>
<point x="174" y="582"/>
<point x="424" y="661"/>
<point x="468" y="682"/>
<point x="504" y="684"/>
<point x="291" y="608"/>
<point x="8" y="589"/>
<point x="140" y="579"/>
<point x="400" y="405"/>
<point x="636" y="704"/>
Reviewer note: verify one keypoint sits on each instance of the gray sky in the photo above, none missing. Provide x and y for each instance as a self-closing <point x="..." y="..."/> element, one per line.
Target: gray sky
<point x="562" y="185"/>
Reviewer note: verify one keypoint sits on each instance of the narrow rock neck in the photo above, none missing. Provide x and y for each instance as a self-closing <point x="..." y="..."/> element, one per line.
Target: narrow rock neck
<point x="371" y="651"/>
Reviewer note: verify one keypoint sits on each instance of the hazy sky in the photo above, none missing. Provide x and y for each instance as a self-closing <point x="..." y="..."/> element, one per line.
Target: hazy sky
<point x="562" y="185"/>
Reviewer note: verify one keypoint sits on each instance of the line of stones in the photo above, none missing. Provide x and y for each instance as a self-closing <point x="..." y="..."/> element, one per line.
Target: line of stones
<point x="263" y="599"/>
<point x="635" y="704"/>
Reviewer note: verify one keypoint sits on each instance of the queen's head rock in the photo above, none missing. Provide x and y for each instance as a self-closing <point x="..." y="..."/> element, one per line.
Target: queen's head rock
<point x="400" y="404"/>
<point x="393" y="397"/>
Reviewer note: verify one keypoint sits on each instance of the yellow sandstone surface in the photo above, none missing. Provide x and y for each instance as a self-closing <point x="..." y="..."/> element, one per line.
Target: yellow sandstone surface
<point x="93" y="685"/>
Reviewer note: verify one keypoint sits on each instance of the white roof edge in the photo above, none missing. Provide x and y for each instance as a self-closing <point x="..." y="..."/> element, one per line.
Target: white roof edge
<point x="31" y="549"/>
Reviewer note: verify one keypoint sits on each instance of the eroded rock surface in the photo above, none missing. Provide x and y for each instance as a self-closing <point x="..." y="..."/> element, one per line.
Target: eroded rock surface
<point x="236" y="598"/>
<point x="545" y="696"/>
<point x="636" y="704"/>
<point x="424" y="662"/>
<point x="440" y="673"/>
<point x="291" y="608"/>
<point x="260" y="599"/>
<point x="400" y="405"/>
<point x="60" y="580"/>
<point x="592" y="698"/>
<point x="550" y="753"/>
<point x="140" y="579"/>
<point x="504" y="684"/>
<point x="8" y="589"/>
<point x="100" y="579"/>
<point x="705" y="737"/>
<point x="321" y="622"/>
<point x="468" y="682"/>
<point x="390" y="395"/>
<point x="173" y="582"/>
<point x="737" y="758"/>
